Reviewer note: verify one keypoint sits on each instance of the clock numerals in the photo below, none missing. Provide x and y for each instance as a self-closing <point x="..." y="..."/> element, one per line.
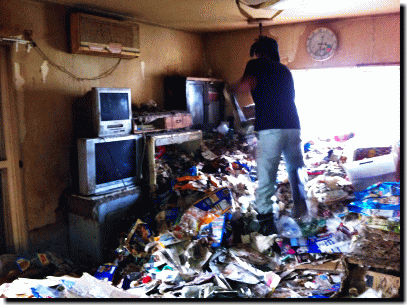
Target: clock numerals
<point x="321" y="44"/>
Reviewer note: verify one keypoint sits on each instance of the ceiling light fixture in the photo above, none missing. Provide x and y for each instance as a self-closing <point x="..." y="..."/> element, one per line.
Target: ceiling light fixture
<point x="250" y="8"/>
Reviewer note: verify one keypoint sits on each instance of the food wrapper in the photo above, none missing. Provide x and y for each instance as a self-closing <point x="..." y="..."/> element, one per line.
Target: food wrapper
<point x="374" y="207"/>
<point x="379" y="200"/>
<point x="138" y="237"/>
<point x="43" y="259"/>
<point x="22" y="263"/>
<point x="205" y="211"/>
<point x="382" y="224"/>
<point x="167" y="239"/>
<point x="330" y="243"/>
<point x="105" y="272"/>
<point x="219" y="200"/>
<point x="217" y="230"/>
<point x="191" y="220"/>
<point x="380" y="190"/>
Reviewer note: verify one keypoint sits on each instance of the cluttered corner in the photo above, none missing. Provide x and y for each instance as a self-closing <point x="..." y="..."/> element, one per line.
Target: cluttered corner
<point x="203" y="240"/>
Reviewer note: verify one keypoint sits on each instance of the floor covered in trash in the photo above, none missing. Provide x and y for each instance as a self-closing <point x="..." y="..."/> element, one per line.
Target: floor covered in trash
<point x="202" y="240"/>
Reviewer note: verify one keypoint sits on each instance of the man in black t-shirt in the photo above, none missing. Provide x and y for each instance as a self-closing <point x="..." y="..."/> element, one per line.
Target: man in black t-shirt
<point x="278" y="129"/>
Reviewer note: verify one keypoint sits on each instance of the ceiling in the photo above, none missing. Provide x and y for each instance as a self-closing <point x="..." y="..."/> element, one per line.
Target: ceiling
<point x="224" y="15"/>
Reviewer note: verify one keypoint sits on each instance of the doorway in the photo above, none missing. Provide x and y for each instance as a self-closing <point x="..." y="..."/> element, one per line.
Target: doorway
<point x="13" y="229"/>
<point x="2" y="233"/>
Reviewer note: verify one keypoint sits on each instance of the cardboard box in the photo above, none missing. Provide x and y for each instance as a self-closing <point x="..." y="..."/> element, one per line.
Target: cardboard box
<point x="174" y="122"/>
<point x="388" y="285"/>
<point x="331" y="266"/>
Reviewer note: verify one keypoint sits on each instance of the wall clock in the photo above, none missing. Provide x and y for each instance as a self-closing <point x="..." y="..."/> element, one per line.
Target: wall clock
<point x="322" y="44"/>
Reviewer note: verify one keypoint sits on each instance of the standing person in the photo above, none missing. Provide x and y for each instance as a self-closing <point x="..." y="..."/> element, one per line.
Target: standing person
<point x="278" y="129"/>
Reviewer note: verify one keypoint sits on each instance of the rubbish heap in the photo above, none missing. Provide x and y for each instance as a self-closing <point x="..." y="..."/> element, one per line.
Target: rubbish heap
<point x="202" y="242"/>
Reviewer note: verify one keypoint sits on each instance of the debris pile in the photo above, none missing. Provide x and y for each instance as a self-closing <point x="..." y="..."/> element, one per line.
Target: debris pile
<point x="204" y="240"/>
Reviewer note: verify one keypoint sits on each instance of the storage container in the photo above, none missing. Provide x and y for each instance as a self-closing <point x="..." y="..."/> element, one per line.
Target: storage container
<point x="363" y="173"/>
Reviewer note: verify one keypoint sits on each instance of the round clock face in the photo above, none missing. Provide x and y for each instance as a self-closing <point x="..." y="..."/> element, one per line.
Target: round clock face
<point x="322" y="44"/>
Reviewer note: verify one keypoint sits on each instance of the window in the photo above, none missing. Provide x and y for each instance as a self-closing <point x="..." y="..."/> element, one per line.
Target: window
<point x="364" y="100"/>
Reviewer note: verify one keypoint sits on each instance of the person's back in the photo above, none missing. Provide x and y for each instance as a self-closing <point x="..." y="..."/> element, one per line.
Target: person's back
<point x="273" y="95"/>
<point x="278" y="130"/>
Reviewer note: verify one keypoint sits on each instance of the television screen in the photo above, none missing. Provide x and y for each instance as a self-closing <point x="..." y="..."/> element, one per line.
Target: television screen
<point x="114" y="106"/>
<point x="115" y="160"/>
<point x="107" y="164"/>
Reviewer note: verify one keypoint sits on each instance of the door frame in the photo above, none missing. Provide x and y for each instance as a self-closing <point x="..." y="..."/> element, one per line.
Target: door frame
<point x="15" y="221"/>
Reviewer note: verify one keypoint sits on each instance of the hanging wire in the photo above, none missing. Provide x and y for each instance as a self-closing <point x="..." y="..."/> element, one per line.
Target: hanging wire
<point x="61" y="68"/>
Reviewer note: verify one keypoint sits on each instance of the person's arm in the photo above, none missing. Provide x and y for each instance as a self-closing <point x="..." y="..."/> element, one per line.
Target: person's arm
<point x="245" y="85"/>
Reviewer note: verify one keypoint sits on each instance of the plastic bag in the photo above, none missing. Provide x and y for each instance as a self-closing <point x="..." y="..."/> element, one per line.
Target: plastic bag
<point x="287" y="227"/>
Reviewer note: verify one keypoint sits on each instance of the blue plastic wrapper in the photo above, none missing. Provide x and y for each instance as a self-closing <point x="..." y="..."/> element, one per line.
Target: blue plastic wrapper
<point x="68" y="284"/>
<point x="372" y="204"/>
<point x="249" y="168"/>
<point x="329" y="243"/>
<point x="307" y="147"/>
<point x="379" y="190"/>
<point x="359" y="207"/>
<point x="217" y="229"/>
<point x="105" y="272"/>
<point x="129" y="278"/>
<point x="322" y="293"/>
<point x="43" y="292"/>
<point x="380" y="199"/>
<point x="193" y="171"/>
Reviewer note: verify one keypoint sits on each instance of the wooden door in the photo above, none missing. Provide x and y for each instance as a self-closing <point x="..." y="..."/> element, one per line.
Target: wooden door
<point x="13" y="234"/>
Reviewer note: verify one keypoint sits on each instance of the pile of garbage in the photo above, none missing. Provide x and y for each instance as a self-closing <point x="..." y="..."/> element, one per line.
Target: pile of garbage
<point x="204" y="243"/>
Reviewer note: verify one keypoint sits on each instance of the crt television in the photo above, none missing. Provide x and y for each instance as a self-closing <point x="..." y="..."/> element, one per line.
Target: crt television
<point x="108" y="110"/>
<point x="108" y="164"/>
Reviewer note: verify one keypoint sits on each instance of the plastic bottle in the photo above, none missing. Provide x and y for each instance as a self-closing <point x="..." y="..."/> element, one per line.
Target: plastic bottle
<point x="276" y="209"/>
<point x="288" y="228"/>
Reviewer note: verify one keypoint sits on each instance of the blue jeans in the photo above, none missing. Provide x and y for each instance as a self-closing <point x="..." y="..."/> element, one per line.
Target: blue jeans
<point x="271" y="144"/>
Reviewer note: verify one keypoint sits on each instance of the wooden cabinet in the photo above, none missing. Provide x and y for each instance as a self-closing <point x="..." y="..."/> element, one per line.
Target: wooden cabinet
<point x="202" y="97"/>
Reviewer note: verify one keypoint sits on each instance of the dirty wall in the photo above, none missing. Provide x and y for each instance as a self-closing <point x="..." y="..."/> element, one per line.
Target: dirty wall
<point x="363" y="40"/>
<point x="45" y="95"/>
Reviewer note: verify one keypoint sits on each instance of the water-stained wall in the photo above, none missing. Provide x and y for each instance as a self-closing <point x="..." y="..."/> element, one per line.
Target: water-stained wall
<point x="45" y="95"/>
<point x="364" y="40"/>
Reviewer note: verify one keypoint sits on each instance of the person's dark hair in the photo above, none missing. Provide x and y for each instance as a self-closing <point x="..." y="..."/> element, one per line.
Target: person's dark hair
<point x="265" y="46"/>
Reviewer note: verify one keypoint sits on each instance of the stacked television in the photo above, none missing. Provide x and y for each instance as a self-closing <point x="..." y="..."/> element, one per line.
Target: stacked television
<point x="109" y="156"/>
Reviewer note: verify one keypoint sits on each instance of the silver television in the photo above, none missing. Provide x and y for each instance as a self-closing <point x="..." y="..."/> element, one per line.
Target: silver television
<point x="108" y="164"/>
<point x="110" y="111"/>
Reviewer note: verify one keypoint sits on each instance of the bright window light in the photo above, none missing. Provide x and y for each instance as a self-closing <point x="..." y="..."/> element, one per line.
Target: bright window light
<point x="337" y="101"/>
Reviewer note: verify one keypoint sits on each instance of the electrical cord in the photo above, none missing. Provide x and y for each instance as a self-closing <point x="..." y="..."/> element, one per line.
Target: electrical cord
<point x="64" y="70"/>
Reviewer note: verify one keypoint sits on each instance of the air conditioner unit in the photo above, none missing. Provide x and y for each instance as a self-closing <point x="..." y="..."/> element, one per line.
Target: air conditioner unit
<point x="94" y="35"/>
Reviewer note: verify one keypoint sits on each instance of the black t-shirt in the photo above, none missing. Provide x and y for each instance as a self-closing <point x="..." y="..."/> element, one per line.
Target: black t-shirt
<point x="273" y="95"/>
